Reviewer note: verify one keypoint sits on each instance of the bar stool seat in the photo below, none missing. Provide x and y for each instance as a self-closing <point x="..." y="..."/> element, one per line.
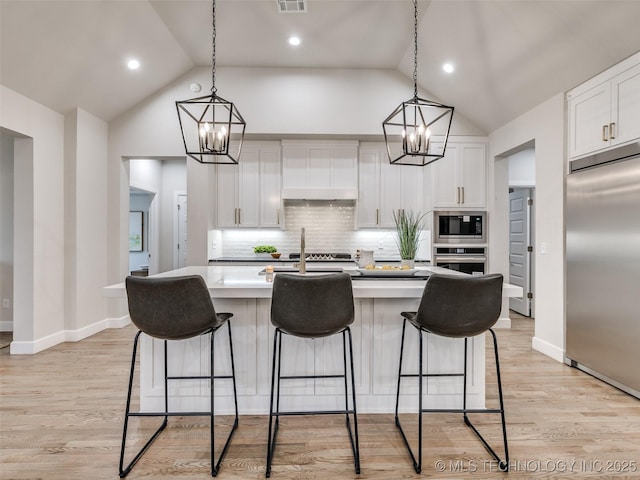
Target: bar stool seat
<point x="457" y="307"/>
<point x="169" y="309"/>
<point x="311" y="307"/>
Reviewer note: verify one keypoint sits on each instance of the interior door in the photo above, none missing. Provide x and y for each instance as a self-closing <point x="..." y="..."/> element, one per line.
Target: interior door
<point x="182" y="232"/>
<point x="520" y="248"/>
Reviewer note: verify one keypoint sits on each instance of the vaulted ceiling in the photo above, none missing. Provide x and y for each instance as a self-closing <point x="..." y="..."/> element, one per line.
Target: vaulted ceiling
<point x="509" y="55"/>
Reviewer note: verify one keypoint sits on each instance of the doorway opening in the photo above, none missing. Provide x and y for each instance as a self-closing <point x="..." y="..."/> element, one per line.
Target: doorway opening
<point x="7" y="213"/>
<point x="521" y="229"/>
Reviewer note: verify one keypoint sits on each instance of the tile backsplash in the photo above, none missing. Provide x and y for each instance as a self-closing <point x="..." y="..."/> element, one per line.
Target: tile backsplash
<point x="329" y="227"/>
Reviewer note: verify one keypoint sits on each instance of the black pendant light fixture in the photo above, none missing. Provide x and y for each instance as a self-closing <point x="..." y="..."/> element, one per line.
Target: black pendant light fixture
<point x="414" y="122"/>
<point x="212" y="127"/>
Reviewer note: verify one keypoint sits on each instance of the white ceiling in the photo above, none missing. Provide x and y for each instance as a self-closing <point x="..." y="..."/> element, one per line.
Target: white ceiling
<point x="510" y="55"/>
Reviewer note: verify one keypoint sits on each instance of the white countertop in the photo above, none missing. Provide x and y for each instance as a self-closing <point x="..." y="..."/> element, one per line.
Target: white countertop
<point x="247" y="282"/>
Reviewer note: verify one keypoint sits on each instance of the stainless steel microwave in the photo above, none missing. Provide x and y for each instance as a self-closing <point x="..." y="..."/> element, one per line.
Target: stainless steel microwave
<point x="459" y="227"/>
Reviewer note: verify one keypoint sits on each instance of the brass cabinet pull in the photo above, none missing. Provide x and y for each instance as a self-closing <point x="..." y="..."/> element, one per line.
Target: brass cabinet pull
<point x="462" y="190"/>
<point x="605" y="133"/>
<point x="612" y="135"/>
<point x="458" y="195"/>
<point x="239" y="216"/>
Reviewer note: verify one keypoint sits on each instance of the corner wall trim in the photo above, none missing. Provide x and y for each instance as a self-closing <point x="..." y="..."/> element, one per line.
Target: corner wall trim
<point x="548" y="349"/>
<point x="503" y="322"/>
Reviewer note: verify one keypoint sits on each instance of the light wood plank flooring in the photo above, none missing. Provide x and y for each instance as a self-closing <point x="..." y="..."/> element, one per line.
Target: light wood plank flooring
<point x="61" y="418"/>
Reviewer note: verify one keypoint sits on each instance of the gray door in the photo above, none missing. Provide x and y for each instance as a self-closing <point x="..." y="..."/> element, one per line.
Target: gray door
<point x="520" y="248"/>
<point x="182" y="231"/>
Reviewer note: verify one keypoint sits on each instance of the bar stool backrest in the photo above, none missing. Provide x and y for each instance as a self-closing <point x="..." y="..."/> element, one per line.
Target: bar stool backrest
<point x="171" y="308"/>
<point x="457" y="306"/>
<point x="312" y="306"/>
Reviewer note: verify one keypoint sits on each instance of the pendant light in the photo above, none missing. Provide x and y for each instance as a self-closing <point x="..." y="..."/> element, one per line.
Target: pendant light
<point x="212" y="127"/>
<point x="414" y="122"/>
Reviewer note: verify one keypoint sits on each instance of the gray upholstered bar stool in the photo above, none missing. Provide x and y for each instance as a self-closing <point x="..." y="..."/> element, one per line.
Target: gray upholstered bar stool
<point x="311" y="307"/>
<point x="457" y="307"/>
<point x="175" y="308"/>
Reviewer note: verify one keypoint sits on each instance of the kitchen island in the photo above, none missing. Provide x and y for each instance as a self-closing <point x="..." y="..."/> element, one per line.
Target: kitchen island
<point x="246" y="292"/>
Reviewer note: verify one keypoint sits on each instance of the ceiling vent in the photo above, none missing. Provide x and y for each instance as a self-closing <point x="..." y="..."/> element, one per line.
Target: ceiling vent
<point x="292" y="6"/>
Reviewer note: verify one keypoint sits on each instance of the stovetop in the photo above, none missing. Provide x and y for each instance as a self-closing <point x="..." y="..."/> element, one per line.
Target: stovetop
<point x="322" y="256"/>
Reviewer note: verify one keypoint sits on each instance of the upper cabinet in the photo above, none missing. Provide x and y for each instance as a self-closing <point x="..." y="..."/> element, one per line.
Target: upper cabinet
<point x="604" y="112"/>
<point x="248" y="194"/>
<point x="384" y="188"/>
<point x="458" y="181"/>
<point x="319" y="170"/>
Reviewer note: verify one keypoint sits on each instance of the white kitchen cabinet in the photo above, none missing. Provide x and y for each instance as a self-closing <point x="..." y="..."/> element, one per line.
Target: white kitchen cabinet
<point x="248" y="194"/>
<point x="384" y="188"/>
<point x="605" y="111"/>
<point x="319" y="169"/>
<point x="459" y="179"/>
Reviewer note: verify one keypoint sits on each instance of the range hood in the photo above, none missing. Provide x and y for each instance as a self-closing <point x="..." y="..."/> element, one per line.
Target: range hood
<point x="319" y="194"/>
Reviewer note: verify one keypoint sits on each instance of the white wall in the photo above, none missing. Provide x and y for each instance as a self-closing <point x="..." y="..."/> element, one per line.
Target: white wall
<point x="39" y="221"/>
<point x="6" y="230"/>
<point x="277" y="102"/>
<point x="85" y="223"/>
<point x="522" y="168"/>
<point x="60" y="209"/>
<point x="545" y="126"/>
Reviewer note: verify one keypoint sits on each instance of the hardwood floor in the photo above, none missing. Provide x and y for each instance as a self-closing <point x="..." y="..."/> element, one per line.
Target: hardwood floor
<point x="61" y="418"/>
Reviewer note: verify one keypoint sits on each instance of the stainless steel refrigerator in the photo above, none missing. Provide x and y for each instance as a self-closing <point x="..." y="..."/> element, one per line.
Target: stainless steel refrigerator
<point x="603" y="267"/>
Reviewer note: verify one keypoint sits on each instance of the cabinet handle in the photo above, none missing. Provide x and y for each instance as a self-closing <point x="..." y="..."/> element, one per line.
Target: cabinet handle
<point x="377" y="216"/>
<point x="235" y="216"/>
<point x="605" y="133"/>
<point x="278" y="216"/>
<point x="612" y="135"/>
<point x="458" y="195"/>
<point x="239" y="216"/>
<point x="462" y="190"/>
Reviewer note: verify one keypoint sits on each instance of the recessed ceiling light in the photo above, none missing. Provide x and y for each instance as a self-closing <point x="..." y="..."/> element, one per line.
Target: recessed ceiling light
<point x="448" y="67"/>
<point x="295" y="41"/>
<point x="133" y="64"/>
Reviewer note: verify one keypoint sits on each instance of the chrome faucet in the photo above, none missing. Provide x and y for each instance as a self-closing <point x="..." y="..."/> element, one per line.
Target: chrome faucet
<point x="303" y="263"/>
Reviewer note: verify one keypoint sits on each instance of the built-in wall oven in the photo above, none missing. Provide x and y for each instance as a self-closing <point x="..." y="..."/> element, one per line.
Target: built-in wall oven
<point x="460" y="241"/>
<point x="471" y="260"/>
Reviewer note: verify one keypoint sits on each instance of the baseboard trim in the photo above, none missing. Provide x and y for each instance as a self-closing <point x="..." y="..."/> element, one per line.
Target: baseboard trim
<point x="548" y="349"/>
<point x="503" y="322"/>
<point x="6" y="326"/>
<point x="29" y="348"/>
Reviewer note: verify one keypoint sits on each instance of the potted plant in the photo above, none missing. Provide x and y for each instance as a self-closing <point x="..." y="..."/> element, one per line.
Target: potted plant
<point x="408" y="227"/>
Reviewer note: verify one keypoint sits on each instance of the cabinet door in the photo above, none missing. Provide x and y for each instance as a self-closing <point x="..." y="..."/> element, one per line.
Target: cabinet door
<point x="227" y="195"/>
<point x="412" y="189"/>
<point x="369" y="188"/>
<point x="625" y="99"/>
<point x="390" y="192"/>
<point x="472" y="175"/>
<point x="270" y="182"/>
<point x="445" y="186"/>
<point x="248" y="188"/>
<point x="589" y="113"/>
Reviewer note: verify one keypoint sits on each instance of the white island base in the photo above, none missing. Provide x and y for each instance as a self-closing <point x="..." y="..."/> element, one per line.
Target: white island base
<point x="376" y="334"/>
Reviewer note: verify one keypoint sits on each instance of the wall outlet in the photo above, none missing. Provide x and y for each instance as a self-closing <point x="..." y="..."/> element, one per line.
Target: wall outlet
<point x="543" y="248"/>
<point x="6" y="303"/>
<point x="381" y="245"/>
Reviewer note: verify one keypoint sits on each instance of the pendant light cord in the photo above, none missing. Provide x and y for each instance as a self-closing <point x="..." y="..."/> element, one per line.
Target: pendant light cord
<point x="213" y="55"/>
<point x="415" y="48"/>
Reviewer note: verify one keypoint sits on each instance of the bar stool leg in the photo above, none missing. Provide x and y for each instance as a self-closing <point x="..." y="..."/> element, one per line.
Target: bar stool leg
<point x="124" y="471"/>
<point x="355" y="445"/>
<point x="271" y="441"/>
